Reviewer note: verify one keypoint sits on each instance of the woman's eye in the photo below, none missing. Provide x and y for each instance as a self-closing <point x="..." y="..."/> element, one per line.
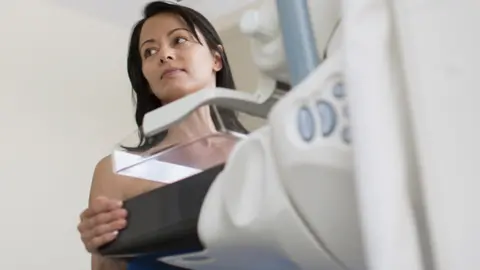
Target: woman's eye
<point x="149" y="52"/>
<point x="180" y="40"/>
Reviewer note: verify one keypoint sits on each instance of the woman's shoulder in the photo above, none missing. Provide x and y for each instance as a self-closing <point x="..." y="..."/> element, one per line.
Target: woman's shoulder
<point x="105" y="182"/>
<point x="104" y="165"/>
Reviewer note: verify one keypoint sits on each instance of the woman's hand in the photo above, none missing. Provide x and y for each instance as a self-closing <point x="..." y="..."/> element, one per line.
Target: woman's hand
<point x="100" y="223"/>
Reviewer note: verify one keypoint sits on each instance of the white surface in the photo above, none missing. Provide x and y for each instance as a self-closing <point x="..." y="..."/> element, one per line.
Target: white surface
<point x="412" y="67"/>
<point x="440" y="43"/>
<point x="160" y="119"/>
<point x="150" y="169"/>
<point x="382" y="158"/>
<point x="65" y="100"/>
<point x="217" y="9"/>
<point x="127" y="12"/>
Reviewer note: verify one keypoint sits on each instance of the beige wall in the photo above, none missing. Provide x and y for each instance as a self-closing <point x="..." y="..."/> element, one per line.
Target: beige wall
<point x="238" y="50"/>
<point x="64" y="100"/>
<point x="244" y="70"/>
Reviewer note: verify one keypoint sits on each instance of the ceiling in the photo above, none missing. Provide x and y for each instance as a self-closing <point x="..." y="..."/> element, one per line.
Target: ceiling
<point x="216" y="9"/>
<point x="126" y="12"/>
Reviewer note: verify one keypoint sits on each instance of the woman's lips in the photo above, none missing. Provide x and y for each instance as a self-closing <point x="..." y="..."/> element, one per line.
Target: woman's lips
<point x="171" y="72"/>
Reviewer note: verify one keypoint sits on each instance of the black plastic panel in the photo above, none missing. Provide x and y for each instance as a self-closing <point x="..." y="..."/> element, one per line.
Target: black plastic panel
<point x="283" y="86"/>
<point x="164" y="220"/>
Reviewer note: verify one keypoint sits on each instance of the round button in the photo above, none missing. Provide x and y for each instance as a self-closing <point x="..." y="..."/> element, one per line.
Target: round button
<point x="306" y="124"/>
<point x="328" y="117"/>
<point x="346" y="135"/>
<point x="339" y="90"/>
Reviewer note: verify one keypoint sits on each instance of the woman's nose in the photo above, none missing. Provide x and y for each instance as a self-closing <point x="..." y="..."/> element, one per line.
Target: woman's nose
<point x="165" y="59"/>
<point x="166" y="55"/>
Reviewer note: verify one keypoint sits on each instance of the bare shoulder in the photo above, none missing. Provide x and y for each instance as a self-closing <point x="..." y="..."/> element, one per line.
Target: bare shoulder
<point x="105" y="182"/>
<point x="115" y="186"/>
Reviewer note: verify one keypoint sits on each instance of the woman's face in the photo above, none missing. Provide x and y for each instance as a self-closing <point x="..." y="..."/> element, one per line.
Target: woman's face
<point x="174" y="63"/>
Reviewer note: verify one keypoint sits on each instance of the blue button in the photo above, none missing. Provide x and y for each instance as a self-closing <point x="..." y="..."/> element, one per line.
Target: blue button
<point x="328" y="117"/>
<point x="306" y="124"/>
<point x="346" y="135"/>
<point x="339" y="90"/>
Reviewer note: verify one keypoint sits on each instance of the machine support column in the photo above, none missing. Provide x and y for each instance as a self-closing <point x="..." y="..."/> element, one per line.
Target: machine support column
<point x="298" y="39"/>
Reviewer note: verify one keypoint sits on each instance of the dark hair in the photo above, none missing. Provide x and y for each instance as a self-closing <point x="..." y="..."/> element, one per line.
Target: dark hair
<point x="145" y="100"/>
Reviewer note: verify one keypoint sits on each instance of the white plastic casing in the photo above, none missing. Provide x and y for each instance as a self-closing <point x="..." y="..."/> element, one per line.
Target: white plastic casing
<point x="282" y="202"/>
<point x="413" y="70"/>
<point x="315" y="165"/>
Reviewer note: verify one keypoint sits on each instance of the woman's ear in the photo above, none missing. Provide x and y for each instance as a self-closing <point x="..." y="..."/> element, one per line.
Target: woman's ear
<point x="217" y="58"/>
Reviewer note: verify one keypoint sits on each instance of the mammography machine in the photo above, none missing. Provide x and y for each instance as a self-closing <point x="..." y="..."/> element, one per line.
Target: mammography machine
<point x="368" y="163"/>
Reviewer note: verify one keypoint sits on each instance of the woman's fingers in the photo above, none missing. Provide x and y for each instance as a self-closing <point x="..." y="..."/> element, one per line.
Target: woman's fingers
<point x="102" y="233"/>
<point x="100" y="205"/>
<point x="89" y="227"/>
<point x="109" y="228"/>
<point x="99" y="241"/>
<point x="105" y="218"/>
<point x="104" y="229"/>
<point x="100" y="212"/>
<point x="100" y="223"/>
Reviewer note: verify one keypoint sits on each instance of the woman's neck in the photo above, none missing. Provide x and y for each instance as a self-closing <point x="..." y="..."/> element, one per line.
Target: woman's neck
<point x="198" y="124"/>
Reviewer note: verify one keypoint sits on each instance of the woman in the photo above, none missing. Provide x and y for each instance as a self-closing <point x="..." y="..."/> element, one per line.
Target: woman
<point x="174" y="51"/>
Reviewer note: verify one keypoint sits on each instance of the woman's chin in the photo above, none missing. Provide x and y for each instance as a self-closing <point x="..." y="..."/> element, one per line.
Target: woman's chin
<point x="176" y="89"/>
<point x="173" y="95"/>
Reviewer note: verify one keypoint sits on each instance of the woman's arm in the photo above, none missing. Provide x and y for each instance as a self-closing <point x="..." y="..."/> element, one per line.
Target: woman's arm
<point x="102" y="263"/>
<point x="107" y="184"/>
